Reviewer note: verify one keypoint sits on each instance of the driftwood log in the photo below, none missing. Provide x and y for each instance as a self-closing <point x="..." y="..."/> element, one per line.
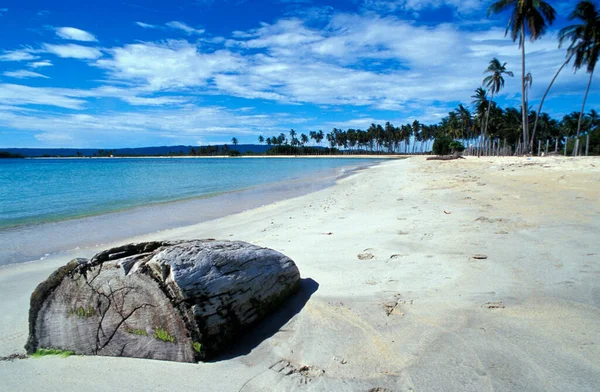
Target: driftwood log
<point x="445" y="157"/>
<point x="180" y="301"/>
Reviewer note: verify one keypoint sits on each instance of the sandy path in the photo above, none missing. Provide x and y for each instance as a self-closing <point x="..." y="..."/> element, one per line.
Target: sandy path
<point x="396" y="299"/>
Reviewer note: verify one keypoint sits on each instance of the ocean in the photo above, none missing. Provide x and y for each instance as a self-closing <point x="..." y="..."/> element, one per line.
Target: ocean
<point x="52" y="205"/>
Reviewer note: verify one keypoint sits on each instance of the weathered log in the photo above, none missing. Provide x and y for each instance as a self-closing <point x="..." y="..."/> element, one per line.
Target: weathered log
<point x="180" y="301"/>
<point x="445" y="157"/>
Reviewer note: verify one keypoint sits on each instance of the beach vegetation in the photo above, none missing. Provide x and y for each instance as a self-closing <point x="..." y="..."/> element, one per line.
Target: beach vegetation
<point x="441" y="145"/>
<point x="456" y="146"/>
<point x="6" y="154"/>
<point x="163" y="335"/>
<point x="44" y="352"/>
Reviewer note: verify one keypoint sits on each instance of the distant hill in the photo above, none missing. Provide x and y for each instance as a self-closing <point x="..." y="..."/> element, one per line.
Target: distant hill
<point x="140" y="151"/>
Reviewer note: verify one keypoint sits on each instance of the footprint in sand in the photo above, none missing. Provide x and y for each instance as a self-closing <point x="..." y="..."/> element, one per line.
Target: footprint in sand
<point x="366" y="254"/>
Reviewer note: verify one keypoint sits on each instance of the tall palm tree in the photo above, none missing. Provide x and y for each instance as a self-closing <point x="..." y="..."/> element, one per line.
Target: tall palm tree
<point x="494" y="82"/>
<point x="529" y="18"/>
<point x="585" y="45"/>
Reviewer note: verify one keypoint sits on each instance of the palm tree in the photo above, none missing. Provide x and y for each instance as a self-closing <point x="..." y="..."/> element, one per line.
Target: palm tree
<point x="261" y="139"/>
<point x="303" y="139"/>
<point x="479" y="103"/>
<point x="537" y="114"/>
<point x="234" y="140"/>
<point x="494" y="82"/>
<point x="529" y="17"/>
<point x="466" y="120"/>
<point x="585" y="46"/>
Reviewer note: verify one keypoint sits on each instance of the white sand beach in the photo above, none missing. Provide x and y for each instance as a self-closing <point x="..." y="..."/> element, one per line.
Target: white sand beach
<point x="392" y="296"/>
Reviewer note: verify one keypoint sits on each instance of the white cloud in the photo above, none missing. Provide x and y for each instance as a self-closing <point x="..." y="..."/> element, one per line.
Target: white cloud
<point x="174" y="25"/>
<point x="73" y="51"/>
<point x="185" y="28"/>
<point x="18" y="55"/>
<point x="74" y="34"/>
<point x="53" y="137"/>
<point x="24" y="74"/>
<point x="185" y="124"/>
<point x="461" y="6"/>
<point x="169" y="65"/>
<point x="40" y="64"/>
<point x="147" y="25"/>
<point x="14" y="94"/>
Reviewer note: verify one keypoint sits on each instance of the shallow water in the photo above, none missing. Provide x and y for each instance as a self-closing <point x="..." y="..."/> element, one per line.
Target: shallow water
<point x="49" y="206"/>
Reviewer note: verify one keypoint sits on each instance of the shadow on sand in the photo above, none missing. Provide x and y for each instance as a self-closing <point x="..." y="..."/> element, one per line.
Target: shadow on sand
<point x="272" y="323"/>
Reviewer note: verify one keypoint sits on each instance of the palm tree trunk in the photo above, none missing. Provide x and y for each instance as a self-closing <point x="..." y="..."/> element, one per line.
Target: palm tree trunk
<point x="524" y="109"/>
<point x="587" y="90"/>
<point x="537" y="114"/>
<point x="487" y="115"/>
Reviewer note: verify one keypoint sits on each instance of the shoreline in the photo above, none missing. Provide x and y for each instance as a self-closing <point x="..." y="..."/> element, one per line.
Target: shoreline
<point x="400" y="301"/>
<point x="350" y="156"/>
<point x="197" y="209"/>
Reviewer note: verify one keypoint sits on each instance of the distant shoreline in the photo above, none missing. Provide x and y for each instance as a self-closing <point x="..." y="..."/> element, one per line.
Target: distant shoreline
<point x="355" y="156"/>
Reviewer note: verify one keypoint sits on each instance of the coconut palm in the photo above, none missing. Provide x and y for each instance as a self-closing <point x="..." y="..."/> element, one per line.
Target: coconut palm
<point x="529" y="18"/>
<point x="494" y="82"/>
<point x="466" y="121"/>
<point x="234" y="140"/>
<point x="479" y="103"/>
<point x="585" y="46"/>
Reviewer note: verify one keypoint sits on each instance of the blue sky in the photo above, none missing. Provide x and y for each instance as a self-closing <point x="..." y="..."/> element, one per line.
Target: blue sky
<point x="142" y="73"/>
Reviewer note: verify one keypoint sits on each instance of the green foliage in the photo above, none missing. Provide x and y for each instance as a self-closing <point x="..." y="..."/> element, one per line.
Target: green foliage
<point x="441" y="145"/>
<point x="456" y="146"/>
<point x="163" y="335"/>
<point x="234" y="153"/>
<point x="292" y="150"/>
<point x="139" y="332"/>
<point x="594" y="147"/>
<point x="44" y="352"/>
<point x="197" y="347"/>
<point x="82" y="312"/>
<point x="6" y="154"/>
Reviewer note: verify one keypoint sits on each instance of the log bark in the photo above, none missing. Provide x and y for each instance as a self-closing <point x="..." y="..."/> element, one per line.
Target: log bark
<point x="180" y="301"/>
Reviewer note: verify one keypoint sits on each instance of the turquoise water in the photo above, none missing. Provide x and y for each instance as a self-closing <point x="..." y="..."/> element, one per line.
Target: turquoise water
<point x="49" y="206"/>
<point x="36" y="191"/>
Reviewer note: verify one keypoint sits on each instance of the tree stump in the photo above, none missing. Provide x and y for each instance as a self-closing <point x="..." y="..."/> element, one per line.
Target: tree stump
<point x="179" y="301"/>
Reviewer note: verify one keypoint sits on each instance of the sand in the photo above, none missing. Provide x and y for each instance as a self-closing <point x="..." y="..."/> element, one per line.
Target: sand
<point x="392" y="296"/>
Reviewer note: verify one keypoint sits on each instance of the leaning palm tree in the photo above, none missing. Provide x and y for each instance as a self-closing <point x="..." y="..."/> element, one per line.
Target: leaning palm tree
<point x="585" y="46"/>
<point x="495" y="82"/>
<point x="529" y="18"/>
<point x="539" y="111"/>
